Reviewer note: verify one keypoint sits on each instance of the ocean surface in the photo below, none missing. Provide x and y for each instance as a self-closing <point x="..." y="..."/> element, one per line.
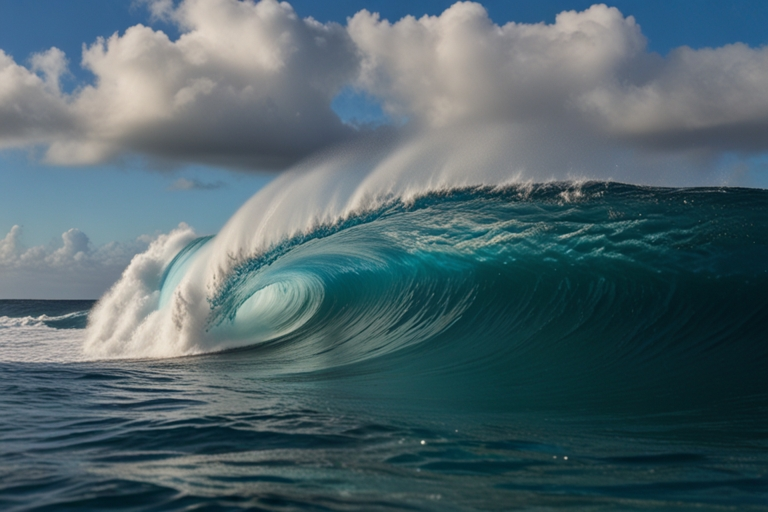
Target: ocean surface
<point x="592" y="347"/>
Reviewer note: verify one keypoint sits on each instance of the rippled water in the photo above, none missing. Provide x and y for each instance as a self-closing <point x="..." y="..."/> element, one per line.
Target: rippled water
<point x="212" y="431"/>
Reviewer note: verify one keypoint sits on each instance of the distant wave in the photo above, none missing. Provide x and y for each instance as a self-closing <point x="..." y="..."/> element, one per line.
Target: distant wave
<point x="76" y="320"/>
<point x="34" y="331"/>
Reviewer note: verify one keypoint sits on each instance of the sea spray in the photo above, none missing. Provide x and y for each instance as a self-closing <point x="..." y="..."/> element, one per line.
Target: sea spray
<point x="324" y="191"/>
<point x="410" y="206"/>
<point x="128" y="321"/>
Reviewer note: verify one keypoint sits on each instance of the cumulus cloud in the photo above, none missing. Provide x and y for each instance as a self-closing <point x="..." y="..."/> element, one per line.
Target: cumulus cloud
<point x="461" y="66"/>
<point x="251" y="84"/>
<point x="590" y="70"/>
<point x="714" y="98"/>
<point x="245" y="84"/>
<point x="74" y="268"/>
<point x="32" y="110"/>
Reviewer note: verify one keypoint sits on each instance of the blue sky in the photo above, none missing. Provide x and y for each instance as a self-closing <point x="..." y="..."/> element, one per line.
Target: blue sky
<point x="122" y="197"/>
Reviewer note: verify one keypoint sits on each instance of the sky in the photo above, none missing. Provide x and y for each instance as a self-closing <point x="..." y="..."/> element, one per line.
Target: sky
<point x="120" y="120"/>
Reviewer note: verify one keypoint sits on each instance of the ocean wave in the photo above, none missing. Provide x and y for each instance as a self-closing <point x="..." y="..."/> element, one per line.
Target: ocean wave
<point x="549" y="288"/>
<point x="76" y="320"/>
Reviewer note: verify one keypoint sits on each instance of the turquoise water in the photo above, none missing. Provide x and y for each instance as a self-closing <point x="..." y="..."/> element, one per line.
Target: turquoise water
<point x="597" y="347"/>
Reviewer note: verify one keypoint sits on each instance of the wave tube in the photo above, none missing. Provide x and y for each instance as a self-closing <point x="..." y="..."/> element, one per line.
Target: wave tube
<point x="595" y="291"/>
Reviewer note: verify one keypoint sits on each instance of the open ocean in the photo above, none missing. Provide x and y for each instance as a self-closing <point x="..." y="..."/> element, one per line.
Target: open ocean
<point x="590" y="347"/>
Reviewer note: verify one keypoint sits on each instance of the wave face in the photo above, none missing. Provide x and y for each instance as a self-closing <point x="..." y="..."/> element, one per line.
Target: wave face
<point x="557" y="290"/>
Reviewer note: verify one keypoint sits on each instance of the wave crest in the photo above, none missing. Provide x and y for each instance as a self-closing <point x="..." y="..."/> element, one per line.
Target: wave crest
<point x="598" y="284"/>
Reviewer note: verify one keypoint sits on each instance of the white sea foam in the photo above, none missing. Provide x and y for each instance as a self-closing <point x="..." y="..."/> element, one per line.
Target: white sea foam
<point x="29" y="340"/>
<point x="127" y="321"/>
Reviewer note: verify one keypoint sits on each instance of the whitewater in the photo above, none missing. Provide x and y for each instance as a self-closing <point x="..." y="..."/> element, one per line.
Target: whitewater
<point x="430" y="324"/>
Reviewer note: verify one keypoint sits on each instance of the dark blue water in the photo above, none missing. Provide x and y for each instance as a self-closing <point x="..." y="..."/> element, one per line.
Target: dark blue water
<point x="602" y="348"/>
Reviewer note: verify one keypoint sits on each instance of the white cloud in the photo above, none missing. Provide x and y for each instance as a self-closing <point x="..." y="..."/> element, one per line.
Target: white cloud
<point x="73" y="269"/>
<point x="251" y="84"/>
<point x="32" y="110"/>
<point x="245" y="84"/>
<point x="52" y="64"/>
<point x="589" y="72"/>
<point x="461" y="66"/>
<point x="10" y="246"/>
<point x="715" y="98"/>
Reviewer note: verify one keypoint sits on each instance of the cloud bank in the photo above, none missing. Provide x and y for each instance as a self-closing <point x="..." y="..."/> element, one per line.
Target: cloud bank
<point x="73" y="269"/>
<point x="251" y="85"/>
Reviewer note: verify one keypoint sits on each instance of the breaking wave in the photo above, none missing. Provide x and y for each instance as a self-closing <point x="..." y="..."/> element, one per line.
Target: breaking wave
<point x="522" y="289"/>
